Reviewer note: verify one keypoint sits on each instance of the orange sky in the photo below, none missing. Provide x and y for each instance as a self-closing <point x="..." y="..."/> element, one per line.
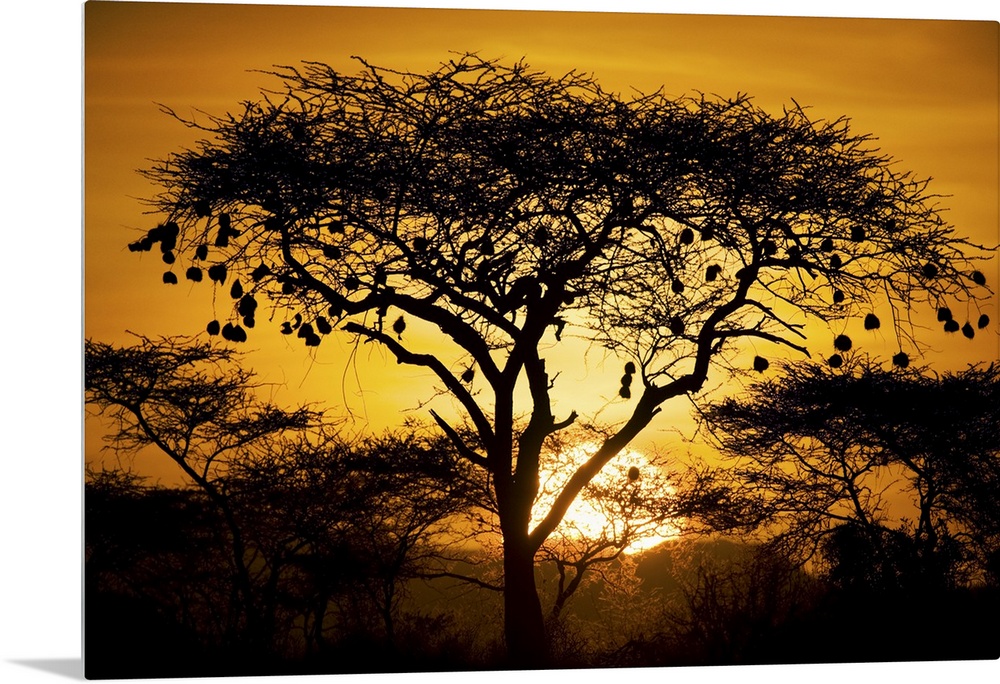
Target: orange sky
<point x="928" y="90"/>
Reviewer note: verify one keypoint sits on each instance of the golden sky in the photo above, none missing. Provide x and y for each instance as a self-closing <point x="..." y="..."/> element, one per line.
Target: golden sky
<point x="927" y="89"/>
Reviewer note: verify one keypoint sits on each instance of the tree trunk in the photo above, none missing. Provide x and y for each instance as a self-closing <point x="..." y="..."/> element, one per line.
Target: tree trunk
<point x="524" y="626"/>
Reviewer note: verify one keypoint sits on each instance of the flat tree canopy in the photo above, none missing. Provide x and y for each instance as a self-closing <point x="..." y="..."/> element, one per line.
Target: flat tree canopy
<point x="501" y="204"/>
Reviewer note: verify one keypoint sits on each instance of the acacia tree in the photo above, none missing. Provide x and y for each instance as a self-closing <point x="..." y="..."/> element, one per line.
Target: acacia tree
<point x="502" y="205"/>
<point x="827" y="448"/>
<point x="195" y="404"/>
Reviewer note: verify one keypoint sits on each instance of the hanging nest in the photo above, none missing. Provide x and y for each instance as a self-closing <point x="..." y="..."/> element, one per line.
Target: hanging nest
<point x="170" y="278"/>
<point x="836" y="361"/>
<point x="202" y="208"/>
<point x="983" y="321"/>
<point x="951" y="326"/>
<point x="217" y="273"/>
<point x="234" y="333"/>
<point x="633" y="474"/>
<point x="944" y="314"/>
<point x="968" y="331"/>
<point x="213" y="328"/>
<point x="978" y="278"/>
<point x="399" y="326"/>
<point x="760" y="364"/>
<point x="260" y="273"/>
<point x="901" y="360"/>
<point x="872" y="322"/>
<point x="247" y="305"/>
<point x="842" y="343"/>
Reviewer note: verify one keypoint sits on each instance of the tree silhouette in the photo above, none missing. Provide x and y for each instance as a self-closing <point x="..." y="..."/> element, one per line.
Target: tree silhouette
<point x="502" y="206"/>
<point x="827" y="448"/>
<point x="195" y="404"/>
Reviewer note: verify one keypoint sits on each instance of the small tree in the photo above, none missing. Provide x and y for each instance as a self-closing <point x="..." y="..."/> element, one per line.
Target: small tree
<point x="195" y="404"/>
<point x="826" y="448"/>
<point x="502" y="206"/>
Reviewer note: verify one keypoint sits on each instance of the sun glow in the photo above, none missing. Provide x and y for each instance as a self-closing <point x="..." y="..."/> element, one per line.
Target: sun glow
<point x="627" y="505"/>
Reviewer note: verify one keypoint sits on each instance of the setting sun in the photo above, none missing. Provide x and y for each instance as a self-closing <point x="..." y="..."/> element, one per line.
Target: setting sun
<point x="626" y="504"/>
